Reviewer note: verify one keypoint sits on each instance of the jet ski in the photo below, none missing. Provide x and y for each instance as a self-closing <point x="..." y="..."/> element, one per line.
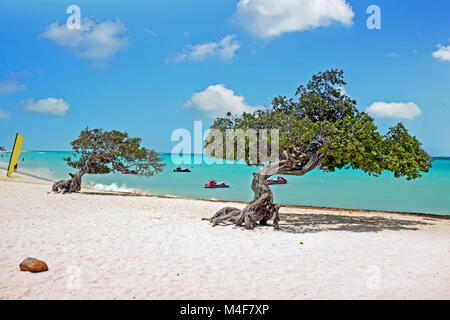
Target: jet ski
<point x="181" y="170"/>
<point x="279" y="180"/>
<point x="214" y="184"/>
<point x="129" y="171"/>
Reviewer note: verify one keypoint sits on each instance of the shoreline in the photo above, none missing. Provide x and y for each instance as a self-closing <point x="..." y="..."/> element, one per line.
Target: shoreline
<point x="141" y="193"/>
<point x="317" y="208"/>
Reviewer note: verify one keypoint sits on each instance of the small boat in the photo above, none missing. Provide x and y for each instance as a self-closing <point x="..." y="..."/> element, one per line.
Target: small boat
<point x="214" y="184"/>
<point x="181" y="170"/>
<point x="279" y="180"/>
<point x="129" y="172"/>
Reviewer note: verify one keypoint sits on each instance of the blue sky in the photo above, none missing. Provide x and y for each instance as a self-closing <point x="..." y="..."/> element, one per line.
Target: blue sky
<point x="165" y="63"/>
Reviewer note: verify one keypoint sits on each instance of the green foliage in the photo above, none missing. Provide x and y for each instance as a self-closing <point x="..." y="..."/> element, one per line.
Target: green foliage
<point x="113" y="151"/>
<point x="348" y="137"/>
<point x="404" y="153"/>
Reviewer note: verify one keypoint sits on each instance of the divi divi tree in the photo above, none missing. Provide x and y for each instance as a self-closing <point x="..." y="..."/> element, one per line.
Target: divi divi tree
<point x="321" y="127"/>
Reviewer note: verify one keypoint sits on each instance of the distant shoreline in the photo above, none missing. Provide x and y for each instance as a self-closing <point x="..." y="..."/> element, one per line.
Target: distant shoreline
<point x="167" y="153"/>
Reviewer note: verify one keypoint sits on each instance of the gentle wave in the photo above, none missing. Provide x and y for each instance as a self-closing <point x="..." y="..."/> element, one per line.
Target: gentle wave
<point x="113" y="187"/>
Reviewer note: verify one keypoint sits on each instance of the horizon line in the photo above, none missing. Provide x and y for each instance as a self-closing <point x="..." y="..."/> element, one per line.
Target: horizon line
<point x="434" y="157"/>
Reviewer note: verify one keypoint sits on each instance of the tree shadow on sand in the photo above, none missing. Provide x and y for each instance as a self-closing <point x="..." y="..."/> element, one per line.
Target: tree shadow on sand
<point x="310" y="223"/>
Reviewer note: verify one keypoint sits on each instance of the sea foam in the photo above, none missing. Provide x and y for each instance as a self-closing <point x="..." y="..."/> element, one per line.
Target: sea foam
<point x="112" y="187"/>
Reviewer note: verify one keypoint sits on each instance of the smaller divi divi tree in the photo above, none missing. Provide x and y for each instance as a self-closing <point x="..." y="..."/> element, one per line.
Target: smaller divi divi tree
<point x="100" y="152"/>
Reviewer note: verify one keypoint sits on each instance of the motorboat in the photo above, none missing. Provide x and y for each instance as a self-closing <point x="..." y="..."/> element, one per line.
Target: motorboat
<point x="279" y="180"/>
<point x="181" y="170"/>
<point x="215" y="184"/>
<point x="129" y="172"/>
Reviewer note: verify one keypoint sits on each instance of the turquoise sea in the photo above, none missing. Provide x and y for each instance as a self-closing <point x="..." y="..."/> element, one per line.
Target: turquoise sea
<point x="350" y="189"/>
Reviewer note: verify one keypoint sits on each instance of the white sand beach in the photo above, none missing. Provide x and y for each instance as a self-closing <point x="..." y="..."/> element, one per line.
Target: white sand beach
<point x="105" y="246"/>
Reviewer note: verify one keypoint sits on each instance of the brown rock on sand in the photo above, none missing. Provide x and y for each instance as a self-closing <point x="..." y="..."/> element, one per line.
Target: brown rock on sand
<point x="33" y="265"/>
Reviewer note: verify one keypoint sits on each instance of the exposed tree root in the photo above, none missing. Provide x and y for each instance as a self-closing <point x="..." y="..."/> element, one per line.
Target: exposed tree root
<point x="260" y="210"/>
<point x="248" y="216"/>
<point x="71" y="185"/>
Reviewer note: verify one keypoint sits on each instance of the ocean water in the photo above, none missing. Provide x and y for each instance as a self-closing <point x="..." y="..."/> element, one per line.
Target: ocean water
<point x="350" y="189"/>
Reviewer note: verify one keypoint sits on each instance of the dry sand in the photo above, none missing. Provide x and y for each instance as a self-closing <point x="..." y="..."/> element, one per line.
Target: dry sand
<point x="103" y="246"/>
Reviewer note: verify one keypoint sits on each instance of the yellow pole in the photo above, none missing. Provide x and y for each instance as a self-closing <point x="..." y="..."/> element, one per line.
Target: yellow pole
<point x="15" y="154"/>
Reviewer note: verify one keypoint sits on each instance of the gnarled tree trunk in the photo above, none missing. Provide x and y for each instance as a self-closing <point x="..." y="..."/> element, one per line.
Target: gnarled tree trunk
<point x="260" y="210"/>
<point x="73" y="184"/>
<point x="297" y="162"/>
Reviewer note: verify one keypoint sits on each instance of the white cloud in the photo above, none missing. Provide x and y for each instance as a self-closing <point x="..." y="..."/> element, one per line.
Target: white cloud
<point x="25" y="73"/>
<point x="10" y="86"/>
<point x="4" y="114"/>
<point x="150" y="32"/>
<point x="268" y="18"/>
<point x="95" y="41"/>
<point x="397" y="110"/>
<point x="217" y="100"/>
<point x="224" y="49"/>
<point x="442" y="53"/>
<point x="393" y="55"/>
<point x="50" y="106"/>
